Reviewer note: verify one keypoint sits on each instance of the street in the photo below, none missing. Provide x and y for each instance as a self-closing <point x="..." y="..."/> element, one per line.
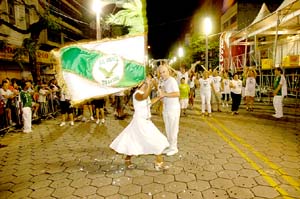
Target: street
<point x="250" y="155"/>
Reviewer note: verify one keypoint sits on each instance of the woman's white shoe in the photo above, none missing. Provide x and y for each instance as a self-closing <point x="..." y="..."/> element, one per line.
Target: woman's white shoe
<point x="160" y="166"/>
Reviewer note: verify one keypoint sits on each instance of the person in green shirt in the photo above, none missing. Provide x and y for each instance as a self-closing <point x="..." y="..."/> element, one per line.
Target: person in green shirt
<point x="26" y="100"/>
<point x="280" y="90"/>
<point x="184" y="90"/>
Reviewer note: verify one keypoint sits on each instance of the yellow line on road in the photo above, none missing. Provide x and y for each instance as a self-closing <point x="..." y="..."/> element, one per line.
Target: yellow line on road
<point x="268" y="179"/>
<point x="277" y="169"/>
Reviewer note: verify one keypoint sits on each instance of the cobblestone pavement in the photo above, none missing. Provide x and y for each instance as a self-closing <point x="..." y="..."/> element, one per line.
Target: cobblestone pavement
<point x="250" y="155"/>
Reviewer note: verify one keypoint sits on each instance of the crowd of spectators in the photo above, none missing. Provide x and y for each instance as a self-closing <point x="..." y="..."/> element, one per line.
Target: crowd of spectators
<point x="217" y="90"/>
<point x="47" y="99"/>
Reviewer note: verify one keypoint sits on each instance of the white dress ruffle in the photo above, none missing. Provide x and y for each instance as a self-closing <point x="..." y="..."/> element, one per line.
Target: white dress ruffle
<point x="141" y="136"/>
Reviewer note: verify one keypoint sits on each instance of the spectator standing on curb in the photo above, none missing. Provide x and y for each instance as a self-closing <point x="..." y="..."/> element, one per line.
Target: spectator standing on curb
<point x="280" y="90"/>
<point x="8" y="96"/>
<point x="119" y="105"/>
<point x="171" y="108"/>
<point x="66" y="109"/>
<point x="99" y="108"/>
<point x="236" y="93"/>
<point x="43" y="93"/>
<point x="26" y="100"/>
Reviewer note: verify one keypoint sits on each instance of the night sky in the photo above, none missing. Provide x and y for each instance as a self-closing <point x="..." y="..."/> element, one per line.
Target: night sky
<point x="168" y="21"/>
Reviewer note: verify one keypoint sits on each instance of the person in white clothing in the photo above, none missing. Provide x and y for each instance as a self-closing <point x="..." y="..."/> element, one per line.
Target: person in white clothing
<point x="216" y="91"/>
<point x="183" y="73"/>
<point x="171" y="108"/>
<point x="192" y="86"/>
<point x="43" y="93"/>
<point x="236" y="93"/>
<point x="66" y="108"/>
<point x="250" y="88"/>
<point x="8" y="96"/>
<point x="206" y="87"/>
<point x="26" y="100"/>
<point x="225" y="89"/>
<point x="280" y="90"/>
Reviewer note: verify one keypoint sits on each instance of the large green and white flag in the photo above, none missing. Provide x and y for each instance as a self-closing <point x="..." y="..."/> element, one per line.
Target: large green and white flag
<point x="95" y="69"/>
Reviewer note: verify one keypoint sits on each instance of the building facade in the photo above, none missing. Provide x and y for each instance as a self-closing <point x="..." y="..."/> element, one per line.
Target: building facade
<point x="238" y="14"/>
<point x="72" y="17"/>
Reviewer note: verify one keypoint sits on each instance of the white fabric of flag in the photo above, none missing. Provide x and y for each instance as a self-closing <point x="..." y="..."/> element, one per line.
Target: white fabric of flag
<point x="92" y="70"/>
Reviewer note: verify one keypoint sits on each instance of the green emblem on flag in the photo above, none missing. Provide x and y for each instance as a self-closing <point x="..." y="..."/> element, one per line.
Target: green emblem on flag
<point x="107" y="70"/>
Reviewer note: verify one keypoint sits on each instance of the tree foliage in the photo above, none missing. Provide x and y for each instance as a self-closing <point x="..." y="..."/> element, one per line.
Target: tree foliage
<point x="130" y="16"/>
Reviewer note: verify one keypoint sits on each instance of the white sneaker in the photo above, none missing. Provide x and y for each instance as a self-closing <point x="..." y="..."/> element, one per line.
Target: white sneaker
<point x="226" y="105"/>
<point x="72" y="123"/>
<point x="62" y="124"/>
<point x="102" y="121"/>
<point x="172" y="152"/>
<point x="97" y="121"/>
<point x="92" y="118"/>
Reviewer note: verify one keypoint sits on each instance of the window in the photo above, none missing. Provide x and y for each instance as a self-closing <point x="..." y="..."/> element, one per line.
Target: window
<point x="233" y="19"/>
<point x="11" y="12"/>
<point x="27" y="17"/>
<point x="226" y="25"/>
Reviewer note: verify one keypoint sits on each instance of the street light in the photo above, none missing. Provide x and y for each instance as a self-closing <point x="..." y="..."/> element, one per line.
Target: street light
<point x="180" y="54"/>
<point x="97" y="9"/>
<point x="207" y="30"/>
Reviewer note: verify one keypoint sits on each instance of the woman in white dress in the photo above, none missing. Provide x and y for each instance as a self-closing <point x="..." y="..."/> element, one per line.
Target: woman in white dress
<point x="141" y="136"/>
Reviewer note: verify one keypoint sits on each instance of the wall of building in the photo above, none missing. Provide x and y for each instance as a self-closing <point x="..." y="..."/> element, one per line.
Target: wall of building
<point x="227" y="16"/>
<point x="67" y="12"/>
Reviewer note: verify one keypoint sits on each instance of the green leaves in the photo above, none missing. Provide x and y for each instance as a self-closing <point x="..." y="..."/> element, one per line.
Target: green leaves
<point x="130" y="16"/>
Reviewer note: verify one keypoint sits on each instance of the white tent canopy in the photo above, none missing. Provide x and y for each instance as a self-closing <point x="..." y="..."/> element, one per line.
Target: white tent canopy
<point x="285" y="20"/>
<point x="263" y="12"/>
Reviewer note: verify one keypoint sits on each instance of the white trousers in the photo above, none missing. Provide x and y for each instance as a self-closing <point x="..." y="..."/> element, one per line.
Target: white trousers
<point x="27" y="114"/>
<point x="171" y="120"/>
<point x="278" y="106"/>
<point x="205" y="100"/>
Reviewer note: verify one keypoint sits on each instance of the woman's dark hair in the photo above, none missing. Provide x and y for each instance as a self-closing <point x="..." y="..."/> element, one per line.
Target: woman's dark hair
<point x="279" y="69"/>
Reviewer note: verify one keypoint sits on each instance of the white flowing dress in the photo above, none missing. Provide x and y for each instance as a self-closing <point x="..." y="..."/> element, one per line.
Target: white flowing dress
<point x="141" y="136"/>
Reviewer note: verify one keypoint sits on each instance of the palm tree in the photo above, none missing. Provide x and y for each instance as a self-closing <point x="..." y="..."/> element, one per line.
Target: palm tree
<point x="130" y="16"/>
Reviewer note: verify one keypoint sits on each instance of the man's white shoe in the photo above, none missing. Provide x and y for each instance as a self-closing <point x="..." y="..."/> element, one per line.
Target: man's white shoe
<point x="62" y="124"/>
<point x="72" y="123"/>
<point x="277" y="116"/>
<point x="92" y="118"/>
<point x="97" y="121"/>
<point x="167" y="150"/>
<point x="172" y="152"/>
<point x="102" y="121"/>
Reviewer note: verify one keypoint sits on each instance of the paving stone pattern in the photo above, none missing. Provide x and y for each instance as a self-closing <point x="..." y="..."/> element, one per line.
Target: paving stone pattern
<point x="250" y="155"/>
